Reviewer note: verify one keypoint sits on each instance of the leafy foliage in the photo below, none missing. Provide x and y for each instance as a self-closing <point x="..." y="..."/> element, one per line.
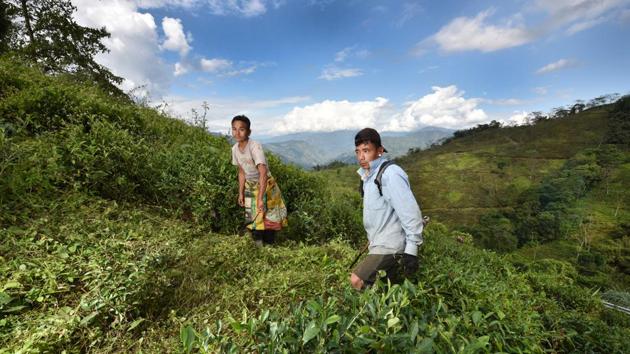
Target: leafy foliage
<point x="46" y="32"/>
<point x="462" y="300"/>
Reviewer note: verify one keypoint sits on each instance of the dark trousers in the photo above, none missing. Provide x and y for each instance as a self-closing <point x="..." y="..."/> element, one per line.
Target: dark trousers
<point x="267" y="236"/>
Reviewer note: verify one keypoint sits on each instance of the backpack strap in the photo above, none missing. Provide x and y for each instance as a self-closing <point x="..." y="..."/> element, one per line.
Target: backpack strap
<point x="377" y="180"/>
<point x="379" y="175"/>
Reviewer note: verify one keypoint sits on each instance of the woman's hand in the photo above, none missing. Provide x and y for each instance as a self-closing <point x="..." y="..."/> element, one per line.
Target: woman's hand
<point x="241" y="199"/>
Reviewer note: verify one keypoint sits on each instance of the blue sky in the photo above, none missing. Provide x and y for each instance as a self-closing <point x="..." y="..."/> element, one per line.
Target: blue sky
<point x="396" y="65"/>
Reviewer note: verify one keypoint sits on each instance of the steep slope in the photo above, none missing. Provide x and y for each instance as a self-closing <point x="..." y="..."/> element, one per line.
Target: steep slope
<point x="117" y="234"/>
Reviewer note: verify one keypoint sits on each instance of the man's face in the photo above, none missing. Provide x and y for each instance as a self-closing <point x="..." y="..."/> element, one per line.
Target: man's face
<point x="239" y="131"/>
<point x="366" y="153"/>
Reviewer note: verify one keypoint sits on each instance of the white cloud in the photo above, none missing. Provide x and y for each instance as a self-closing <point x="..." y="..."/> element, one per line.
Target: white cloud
<point x="477" y="33"/>
<point x="175" y="38"/>
<point x="332" y="115"/>
<point x="556" y="65"/>
<point x="246" y="8"/>
<point x="582" y="26"/>
<point x="214" y="65"/>
<point x="569" y="11"/>
<point x="343" y="54"/>
<point x="180" y="69"/>
<point x="351" y="52"/>
<point x="223" y="109"/>
<point x="332" y="72"/>
<point x="517" y="118"/>
<point x="133" y="43"/>
<point x="465" y="33"/>
<point x="148" y="4"/>
<point x="445" y="107"/>
<point x="226" y="68"/>
<point x="244" y="71"/>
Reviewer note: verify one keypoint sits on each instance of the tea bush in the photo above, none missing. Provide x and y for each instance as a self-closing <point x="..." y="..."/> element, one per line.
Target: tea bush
<point x="110" y="148"/>
<point x="106" y="213"/>
<point x="462" y="300"/>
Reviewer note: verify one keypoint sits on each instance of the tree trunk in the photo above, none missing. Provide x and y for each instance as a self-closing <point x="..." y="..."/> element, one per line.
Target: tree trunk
<point x="27" y="21"/>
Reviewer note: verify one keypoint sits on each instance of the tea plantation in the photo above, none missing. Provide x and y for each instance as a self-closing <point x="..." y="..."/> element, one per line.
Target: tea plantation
<point x="119" y="232"/>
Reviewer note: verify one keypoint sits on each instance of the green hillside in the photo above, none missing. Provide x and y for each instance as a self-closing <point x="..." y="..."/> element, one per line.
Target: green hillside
<point x="555" y="189"/>
<point x="119" y="233"/>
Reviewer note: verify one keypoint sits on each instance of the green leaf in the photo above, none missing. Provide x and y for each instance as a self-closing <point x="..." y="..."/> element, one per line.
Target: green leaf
<point x="392" y="322"/>
<point x="12" y="285"/>
<point x="4" y="298"/>
<point x="135" y="324"/>
<point x="414" y="331"/>
<point x="187" y="336"/>
<point x="311" y="332"/>
<point x="332" y="319"/>
<point x="426" y="346"/>
<point x="500" y="314"/>
<point x="476" y="317"/>
<point x="88" y="318"/>
<point x="479" y="343"/>
<point x="14" y="309"/>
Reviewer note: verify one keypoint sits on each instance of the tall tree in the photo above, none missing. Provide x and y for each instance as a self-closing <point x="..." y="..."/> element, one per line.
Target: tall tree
<point x="51" y="36"/>
<point x="5" y="24"/>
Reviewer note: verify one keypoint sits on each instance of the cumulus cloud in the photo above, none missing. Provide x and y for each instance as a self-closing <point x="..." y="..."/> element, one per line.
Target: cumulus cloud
<point x="332" y="72"/>
<point x="445" y="107"/>
<point x="555" y="66"/>
<point x="478" y="33"/>
<point x="175" y="40"/>
<point x="517" y="118"/>
<point x="222" y="109"/>
<point x="133" y="43"/>
<point x="332" y="115"/>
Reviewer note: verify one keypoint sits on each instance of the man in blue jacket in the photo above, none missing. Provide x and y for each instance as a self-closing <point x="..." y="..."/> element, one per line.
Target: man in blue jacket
<point x="391" y="216"/>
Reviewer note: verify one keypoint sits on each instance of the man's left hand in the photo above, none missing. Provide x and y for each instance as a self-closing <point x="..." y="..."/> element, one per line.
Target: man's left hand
<point x="409" y="264"/>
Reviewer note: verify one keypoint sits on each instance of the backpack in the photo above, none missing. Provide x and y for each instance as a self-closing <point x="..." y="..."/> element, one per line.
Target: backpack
<point x="377" y="180"/>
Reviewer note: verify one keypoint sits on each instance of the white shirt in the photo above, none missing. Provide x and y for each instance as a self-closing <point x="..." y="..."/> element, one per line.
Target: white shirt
<point x="249" y="159"/>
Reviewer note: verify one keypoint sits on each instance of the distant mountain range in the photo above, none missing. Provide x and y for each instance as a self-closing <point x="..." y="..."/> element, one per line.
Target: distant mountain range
<point x="319" y="148"/>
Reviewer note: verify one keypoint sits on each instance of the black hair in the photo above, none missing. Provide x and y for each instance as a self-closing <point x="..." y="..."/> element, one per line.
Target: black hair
<point x="368" y="135"/>
<point x="244" y="119"/>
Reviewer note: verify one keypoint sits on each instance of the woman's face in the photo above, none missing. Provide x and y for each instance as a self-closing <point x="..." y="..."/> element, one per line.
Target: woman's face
<point x="239" y="131"/>
<point x="366" y="153"/>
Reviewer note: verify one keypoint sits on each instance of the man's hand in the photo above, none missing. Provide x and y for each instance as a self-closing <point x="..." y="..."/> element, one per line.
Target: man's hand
<point x="241" y="199"/>
<point x="409" y="264"/>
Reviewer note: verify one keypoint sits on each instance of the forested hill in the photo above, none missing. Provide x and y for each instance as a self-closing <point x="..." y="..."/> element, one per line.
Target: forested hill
<point x="119" y="233"/>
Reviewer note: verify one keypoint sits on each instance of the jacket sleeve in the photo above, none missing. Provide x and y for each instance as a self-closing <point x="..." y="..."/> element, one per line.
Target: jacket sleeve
<point x="397" y="192"/>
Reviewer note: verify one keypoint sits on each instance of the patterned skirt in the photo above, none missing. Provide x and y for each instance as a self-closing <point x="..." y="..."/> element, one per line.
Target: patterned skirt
<point x="275" y="215"/>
